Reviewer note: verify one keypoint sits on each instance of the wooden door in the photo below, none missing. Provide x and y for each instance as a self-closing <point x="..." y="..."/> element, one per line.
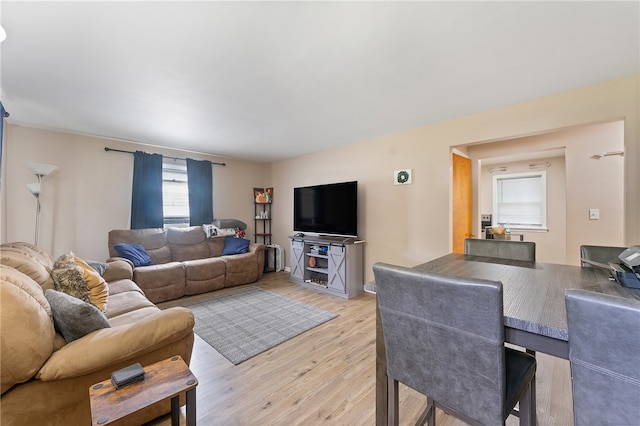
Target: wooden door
<point x="461" y="202"/>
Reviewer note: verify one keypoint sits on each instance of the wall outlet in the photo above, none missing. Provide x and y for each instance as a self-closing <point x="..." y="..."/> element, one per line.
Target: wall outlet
<point x="594" y="214"/>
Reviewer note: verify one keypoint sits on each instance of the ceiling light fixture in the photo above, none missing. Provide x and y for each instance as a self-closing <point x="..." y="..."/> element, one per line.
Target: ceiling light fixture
<point x="3" y="34"/>
<point x="607" y="154"/>
<point x="539" y="165"/>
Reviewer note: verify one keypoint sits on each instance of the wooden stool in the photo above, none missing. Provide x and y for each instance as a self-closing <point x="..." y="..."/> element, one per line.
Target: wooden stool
<point x="162" y="380"/>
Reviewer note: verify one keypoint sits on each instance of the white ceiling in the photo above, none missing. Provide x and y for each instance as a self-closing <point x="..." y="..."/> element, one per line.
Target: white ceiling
<point x="273" y="80"/>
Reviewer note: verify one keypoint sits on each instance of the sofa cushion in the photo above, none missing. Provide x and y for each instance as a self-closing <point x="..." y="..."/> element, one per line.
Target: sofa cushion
<point x="28" y="262"/>
<point x="184" y="252"/>
<point x="216" y="245"/>
<point x="98" y="288"/>
<point x="68" y="277"/>
<point x="134" y="252"/>
<point x="187" y="243"/>
<point x="234" y="245"/>
<point x="26" y="327"/>
<point x="203" y="275"/>
<point x="161" y="282"/>
<point x="154" y="241"/>
<point x="127" y="301"/>
<point x="73" y="317"/>
<point x="188" y="235"/>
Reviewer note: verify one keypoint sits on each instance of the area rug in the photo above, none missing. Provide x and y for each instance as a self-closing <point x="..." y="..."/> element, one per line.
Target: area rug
<point x="242" y="323"/>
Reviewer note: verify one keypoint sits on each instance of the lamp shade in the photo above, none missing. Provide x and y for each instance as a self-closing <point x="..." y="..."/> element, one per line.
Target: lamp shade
<point x="34" y="188"/>
<point x="41" y="169"/>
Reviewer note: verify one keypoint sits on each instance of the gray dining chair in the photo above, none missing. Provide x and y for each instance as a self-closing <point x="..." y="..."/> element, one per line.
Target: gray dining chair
<point x="444" y="337"/>
<point x="604" y="354"/>
<point x="600" y="254"/>
<point x="501" y="249"/>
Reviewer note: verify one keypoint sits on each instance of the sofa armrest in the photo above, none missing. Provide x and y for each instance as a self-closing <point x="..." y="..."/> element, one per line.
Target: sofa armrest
<point x="255" y="247"/>
<point x="110" y="346"/>
<point x="118" y="269"/>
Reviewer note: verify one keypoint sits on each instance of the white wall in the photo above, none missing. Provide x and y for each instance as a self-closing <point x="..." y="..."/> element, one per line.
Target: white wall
<point x="551" y="244"/>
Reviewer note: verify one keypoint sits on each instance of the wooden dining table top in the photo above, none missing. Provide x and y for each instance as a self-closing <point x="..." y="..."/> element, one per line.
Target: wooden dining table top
<point x="533" y="291"/>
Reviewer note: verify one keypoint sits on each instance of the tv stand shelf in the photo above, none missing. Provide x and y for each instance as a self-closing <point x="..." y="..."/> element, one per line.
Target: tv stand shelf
<point x="330" y="264"/>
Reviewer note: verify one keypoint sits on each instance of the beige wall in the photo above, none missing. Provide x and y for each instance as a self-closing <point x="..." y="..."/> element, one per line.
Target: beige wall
<point x="401" y="224"/>
<point x="551" y="245"/>
<point x="90" y="193"/>
<point x="589" y="184"/>
<point x="410" y="224"/>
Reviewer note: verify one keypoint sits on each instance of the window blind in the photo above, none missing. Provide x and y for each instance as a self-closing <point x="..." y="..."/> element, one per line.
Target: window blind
<point x="175" y="192"/>
<point x="520" y="200"/>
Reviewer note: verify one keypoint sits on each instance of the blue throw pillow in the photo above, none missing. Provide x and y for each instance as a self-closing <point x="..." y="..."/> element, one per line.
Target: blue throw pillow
<point x="233" y="245"/>
<point x="135" y="253"/>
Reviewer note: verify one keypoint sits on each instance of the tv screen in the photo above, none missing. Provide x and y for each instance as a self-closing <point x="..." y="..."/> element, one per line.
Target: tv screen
<point x="326" y="209"/>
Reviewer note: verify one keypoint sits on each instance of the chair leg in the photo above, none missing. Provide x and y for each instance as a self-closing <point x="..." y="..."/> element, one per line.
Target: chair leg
<point x="393" y="405"/>
<point x="534" y="420"/>
<point x="429" y="414"/>
<point x="526" y="407"/>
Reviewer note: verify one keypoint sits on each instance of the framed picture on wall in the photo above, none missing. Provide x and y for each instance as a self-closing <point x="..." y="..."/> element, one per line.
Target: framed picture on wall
<point x="262" y="196"/>
<point x="258" y="193"/>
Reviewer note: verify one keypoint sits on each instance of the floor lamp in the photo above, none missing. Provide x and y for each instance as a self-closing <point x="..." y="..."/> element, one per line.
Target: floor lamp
<point x="40" y="171"/>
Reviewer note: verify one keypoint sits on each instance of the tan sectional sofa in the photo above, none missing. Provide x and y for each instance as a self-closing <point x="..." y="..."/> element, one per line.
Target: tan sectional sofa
<point x="186" y="262"/>
<point x="45" y="380"/>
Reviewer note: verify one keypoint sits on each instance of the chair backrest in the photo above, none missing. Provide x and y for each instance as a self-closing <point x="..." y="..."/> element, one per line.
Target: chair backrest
<point x="604" y="352"/>
<point x="600" y="254"/>
<point x="501" y="249"/>
<point x="444" y="337"/>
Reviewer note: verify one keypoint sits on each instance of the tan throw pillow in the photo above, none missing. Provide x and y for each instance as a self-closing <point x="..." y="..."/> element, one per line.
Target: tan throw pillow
<point x="98" y="288"/>
<point x="68" y="277"/>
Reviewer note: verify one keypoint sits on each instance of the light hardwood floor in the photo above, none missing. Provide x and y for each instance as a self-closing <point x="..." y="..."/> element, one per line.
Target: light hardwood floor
<point x="326" y="376"/>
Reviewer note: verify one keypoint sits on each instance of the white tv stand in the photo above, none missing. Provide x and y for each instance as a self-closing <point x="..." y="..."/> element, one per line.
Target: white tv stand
<point x="333" y="265"/>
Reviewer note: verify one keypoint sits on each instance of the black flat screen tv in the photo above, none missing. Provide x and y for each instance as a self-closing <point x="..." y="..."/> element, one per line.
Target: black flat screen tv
<point x="330" y="209"/>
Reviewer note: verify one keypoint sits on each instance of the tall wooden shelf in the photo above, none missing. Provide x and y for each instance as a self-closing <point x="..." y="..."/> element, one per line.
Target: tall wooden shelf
<point x="262" y="222"/>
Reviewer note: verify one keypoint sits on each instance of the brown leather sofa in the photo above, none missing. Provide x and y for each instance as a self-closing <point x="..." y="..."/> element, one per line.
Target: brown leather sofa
<point x="186" y="262"/>
<point x="46" y="380"/>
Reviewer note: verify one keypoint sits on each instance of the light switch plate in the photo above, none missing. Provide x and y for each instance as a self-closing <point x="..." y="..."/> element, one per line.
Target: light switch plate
<point x="594" y="214"/>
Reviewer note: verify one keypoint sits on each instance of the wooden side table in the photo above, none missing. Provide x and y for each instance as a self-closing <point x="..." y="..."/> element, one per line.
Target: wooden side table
<point x="162" y="380"/>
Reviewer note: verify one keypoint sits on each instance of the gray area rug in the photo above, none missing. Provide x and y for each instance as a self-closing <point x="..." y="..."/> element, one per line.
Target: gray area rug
<point x="249" y="320"/>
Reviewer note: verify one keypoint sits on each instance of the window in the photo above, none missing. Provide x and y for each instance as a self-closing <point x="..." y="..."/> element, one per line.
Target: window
<point x="520" y="200"/>
<point x="175" y="193"/>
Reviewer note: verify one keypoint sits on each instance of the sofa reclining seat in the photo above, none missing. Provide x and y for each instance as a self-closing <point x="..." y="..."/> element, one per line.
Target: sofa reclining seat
<point x="187" y="262"/>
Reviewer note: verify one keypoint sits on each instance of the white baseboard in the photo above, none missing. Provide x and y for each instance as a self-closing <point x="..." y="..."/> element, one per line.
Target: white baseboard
<point x="370" y="287"/>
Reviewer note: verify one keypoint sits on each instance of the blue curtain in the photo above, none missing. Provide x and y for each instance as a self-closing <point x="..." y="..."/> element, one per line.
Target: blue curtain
<point x="200" y="183"/>
<point x="2" y="117"/>
<point x="146" y="199"/>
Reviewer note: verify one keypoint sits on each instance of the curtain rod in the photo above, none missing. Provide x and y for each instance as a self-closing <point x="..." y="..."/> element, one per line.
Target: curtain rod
<point x="106" y="148"/>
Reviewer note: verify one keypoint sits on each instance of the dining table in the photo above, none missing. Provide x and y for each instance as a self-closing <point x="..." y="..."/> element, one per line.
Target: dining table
<point x="535" y="316"/>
